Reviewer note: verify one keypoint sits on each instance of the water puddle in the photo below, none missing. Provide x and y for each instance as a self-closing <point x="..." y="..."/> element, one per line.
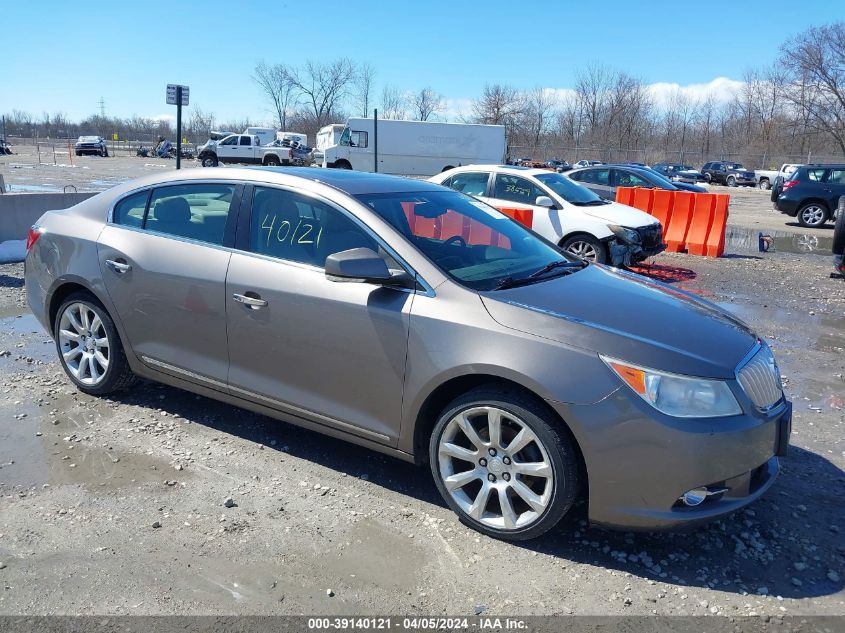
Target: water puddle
<point x="743" y="239"/>
<point x="32" y="188"/>
<point x="25" y="341"/>
<point x="55" y="443"/>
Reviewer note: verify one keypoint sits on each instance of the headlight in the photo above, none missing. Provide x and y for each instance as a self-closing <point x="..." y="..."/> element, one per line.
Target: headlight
<point x="678" y="396"/>
<point x="629" y="236"/>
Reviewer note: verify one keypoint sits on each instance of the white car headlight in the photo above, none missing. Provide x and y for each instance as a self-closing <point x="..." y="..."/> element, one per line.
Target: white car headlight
<point x="629" y="236"/>
<point x="675" y="395"/>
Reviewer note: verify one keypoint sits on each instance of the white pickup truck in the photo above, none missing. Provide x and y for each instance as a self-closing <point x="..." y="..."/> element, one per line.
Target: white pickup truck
<point x="244" y="148"/>
<point x="766" y="177"/>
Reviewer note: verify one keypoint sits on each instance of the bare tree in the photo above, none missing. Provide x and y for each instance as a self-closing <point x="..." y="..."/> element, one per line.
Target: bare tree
<point x="425" y="104"/>
<point x="815" y="61"/>
<point x="540" y="103"/>
<point x="200" y="123"/>
<point x="393" y="104"/>
<point x="364" y="87"/>
<point x="499" y="105"/>
<point x="323" y="86"/>
<point x="275" y="81"/>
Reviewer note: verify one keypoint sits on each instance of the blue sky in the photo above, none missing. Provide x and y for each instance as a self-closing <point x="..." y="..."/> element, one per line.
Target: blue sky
<point x="64" y="56"/>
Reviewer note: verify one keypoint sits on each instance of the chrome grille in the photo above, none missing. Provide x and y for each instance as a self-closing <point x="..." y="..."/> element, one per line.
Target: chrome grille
<point x="760" y="379"/>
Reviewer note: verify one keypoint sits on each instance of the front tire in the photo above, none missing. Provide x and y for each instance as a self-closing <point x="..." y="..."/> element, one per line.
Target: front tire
<point x="89" y="346"/>
<point x="502" y="465"/>
<point x="731" y="182"/>
<point x="586" y="247"/>
<point x="209" y="161"/>
<point x="812" y="215"/>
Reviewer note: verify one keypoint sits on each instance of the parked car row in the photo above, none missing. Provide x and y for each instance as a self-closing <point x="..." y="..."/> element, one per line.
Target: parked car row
<point x="563" y="212"/>
<point x="604" y="179"/>
<point x="522" y="376"/>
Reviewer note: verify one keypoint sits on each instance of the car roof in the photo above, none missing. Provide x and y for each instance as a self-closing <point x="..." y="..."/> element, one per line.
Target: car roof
<point x="348" y="182"/>
<point x="523" y="171"/>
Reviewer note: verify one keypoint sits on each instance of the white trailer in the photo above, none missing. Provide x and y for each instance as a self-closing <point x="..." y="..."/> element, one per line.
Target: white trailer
<point x="329" y="135"/>
<point x="299" y="137"/>
<point x="265" y="134"/>
<point x="419" y="148"/>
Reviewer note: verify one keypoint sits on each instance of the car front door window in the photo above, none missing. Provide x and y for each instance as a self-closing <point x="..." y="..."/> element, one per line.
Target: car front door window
<point x="516" y="189"/>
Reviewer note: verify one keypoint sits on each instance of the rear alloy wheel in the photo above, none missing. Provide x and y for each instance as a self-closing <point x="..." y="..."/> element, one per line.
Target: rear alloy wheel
<point x="586" y="247"/>
<point x="89" y="346"/>
<point x="765" y="185"/>
<point x="501" y="466"/>
<point x="812" y="215"/>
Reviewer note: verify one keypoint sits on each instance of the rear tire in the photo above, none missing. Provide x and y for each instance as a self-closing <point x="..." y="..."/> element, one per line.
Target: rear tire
<point x="839" y="235"/>
<point x="586" y="247"/>
<point x="708" y="179"/>
<point x="342" y="164"/>
<point x="272" y="161"/>
<point x="764" y="184"/>
<point x="812" y="215"/>
<point x="485" y="479"/>
<point x="89" y="347"/>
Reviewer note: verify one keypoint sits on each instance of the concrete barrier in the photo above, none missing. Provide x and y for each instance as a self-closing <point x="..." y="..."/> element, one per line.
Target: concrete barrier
<point x="19" y="211"/>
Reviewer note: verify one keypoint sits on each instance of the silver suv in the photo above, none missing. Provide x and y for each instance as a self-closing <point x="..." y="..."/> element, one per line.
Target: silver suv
<point x="414" y="320"/>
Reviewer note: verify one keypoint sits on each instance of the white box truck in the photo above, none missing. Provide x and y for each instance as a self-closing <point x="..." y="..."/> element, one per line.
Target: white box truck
<point x="299" y="137"/>
<point x="419" y="148"/>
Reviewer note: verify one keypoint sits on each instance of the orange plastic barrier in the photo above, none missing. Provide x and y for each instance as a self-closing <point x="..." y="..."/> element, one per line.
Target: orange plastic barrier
<point x="675" y="234"/>
<point x="643" y="199"/>
<point x="702" y="219"/>
<point x="694" y="222"/>
<point x="716" y="236"/>
<point x="523" y="216"/>
<point x="661" y="207"/>
<point x="625" y="195"/>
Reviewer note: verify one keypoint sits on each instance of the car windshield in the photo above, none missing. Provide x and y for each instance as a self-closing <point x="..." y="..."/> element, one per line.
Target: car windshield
<point x="569" y="190"/>
<point x="734" y="165"/>
<point x="476" y="245"/>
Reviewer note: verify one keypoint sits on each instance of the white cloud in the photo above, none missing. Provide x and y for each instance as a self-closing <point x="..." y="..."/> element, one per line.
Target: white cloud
<point x="165" y="117"/>
<point x="457" y="109"/>
<point x="721" y="89"/>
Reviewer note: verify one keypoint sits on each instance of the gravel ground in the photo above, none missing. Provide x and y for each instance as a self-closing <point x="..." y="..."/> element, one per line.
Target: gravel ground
<point x="162" y="502"/>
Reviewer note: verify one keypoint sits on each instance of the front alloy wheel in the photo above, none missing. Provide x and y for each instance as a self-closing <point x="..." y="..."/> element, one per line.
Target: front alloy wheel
<point x="586" y="247"/>
<point x="502" y="467"/>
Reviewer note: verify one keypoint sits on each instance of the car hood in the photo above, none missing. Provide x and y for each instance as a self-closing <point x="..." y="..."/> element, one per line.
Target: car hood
<point x="616" y="213"/>
<point x="628" y="317"/>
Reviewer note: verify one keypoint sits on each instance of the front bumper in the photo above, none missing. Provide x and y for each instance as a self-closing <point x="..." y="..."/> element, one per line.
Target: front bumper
<point x="622" y="254"/>
<point x="639" y="462"/>
<point x="89" y="149"/>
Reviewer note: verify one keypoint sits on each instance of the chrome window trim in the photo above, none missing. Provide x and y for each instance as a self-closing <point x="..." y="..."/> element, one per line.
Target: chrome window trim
<point x="173" y="183"/>
<point x="427" y="289"/>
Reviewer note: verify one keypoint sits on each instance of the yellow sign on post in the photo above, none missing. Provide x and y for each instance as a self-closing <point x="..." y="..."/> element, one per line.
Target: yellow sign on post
<point x="114" y="136"/>
<point x="184" y="141"/>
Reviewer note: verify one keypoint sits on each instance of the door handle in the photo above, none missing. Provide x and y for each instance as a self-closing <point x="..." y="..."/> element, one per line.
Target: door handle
<point x="252" y="302"/>
<point x="118" y="266"/>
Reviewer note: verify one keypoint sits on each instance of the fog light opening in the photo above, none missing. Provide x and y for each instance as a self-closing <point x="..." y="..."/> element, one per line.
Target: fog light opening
<point x="697" y="496"/>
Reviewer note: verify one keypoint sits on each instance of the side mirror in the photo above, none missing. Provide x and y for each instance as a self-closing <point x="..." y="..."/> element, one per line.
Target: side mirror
<point x="544" y="201"/>
<point x="361" y="265"/>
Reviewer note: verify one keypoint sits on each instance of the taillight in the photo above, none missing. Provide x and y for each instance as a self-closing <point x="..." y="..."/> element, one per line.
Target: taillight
<point x="789" y="183"/>
<point x="32" y="237"/>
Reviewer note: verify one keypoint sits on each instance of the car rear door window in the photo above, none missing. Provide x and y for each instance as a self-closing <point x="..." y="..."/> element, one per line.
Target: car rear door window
<point x="246" y="140"/>
<point x="594" y="176"/>
<point x="298" y="228"/>
<point x="816" y="175"/>
<point x="197" y="211"/>
<point x="516" y="189"/>
<point x="471" y="183"/>
<point x="630" y="179"/>
<point x="130" y="211"/>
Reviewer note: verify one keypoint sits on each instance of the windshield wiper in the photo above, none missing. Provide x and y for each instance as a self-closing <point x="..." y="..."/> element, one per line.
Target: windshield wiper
<point x="561" y="263"/>
<point x="537" y="276"/>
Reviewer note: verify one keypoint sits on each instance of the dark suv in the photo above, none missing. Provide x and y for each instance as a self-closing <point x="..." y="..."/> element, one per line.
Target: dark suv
<point x="727" y="173"/>
<point x="811" y="194"/>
